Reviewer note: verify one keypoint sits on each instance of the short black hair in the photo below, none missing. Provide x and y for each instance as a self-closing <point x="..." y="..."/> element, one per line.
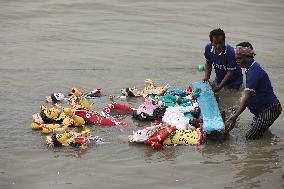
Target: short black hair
<point x="217" y="32"/>
<point x="245" y="44"/>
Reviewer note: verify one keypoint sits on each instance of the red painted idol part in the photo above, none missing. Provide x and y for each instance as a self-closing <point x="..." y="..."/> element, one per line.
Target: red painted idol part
<point x="159" y="136"/>
<point x="119" y="107"/>
<point x="97" y="119"/>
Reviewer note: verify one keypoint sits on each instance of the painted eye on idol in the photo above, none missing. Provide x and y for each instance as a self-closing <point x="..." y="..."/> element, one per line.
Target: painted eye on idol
<point x="154" y="102"/>
<point x="58" y="96"/>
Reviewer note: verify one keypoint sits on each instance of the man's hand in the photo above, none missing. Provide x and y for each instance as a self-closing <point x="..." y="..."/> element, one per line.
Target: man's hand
<point x="231" y="122"/>
<point x="205" y="79"/>
<point x="215" y="88"/>
<point x="233" y="108"/>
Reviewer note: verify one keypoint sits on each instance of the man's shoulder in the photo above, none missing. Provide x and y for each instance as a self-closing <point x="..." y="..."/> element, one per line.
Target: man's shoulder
<point x="208" y="45"/>
<point x="230" y="48"/>
<point x="209" y="48"/>
<point x="230" y="51"/>
<point x="256" y="69"/>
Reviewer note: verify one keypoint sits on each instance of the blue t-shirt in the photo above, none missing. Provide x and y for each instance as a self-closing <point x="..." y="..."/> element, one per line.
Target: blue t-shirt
<point x="258" y="81"/>
<point x="223" y="62"/>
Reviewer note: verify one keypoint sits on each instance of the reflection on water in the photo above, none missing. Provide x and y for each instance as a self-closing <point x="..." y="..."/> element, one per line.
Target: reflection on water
<point x="258" y="161"/>
<point x="69" y="152"/>
<point x="167" y="154"/>
<point x="228" y="99"/>
<point x="251" y="161"/>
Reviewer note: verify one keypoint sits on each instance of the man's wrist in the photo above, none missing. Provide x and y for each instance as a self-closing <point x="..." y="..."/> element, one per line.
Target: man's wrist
<point x="206" y="78"/>
<point x="235" y="116"/>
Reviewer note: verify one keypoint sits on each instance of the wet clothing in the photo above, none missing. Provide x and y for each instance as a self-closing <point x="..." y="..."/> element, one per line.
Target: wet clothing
<point x="263" y="121"/>
<point x="222" y="63"/>
<point x="258" y="81"/>
<point x="264" y="103"/>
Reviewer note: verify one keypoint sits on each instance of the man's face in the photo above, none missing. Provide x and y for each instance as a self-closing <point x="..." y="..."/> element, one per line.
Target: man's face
<point x="242" y="60"/>
<point x="218" y="43"/>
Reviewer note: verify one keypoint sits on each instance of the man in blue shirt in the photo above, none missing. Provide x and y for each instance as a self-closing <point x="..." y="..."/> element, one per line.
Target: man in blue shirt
<point x="259" y="96"/>
<point x="222" y="57"/>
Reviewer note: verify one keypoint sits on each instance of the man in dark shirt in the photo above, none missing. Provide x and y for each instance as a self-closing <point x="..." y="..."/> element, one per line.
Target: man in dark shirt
<point x="222" y="57"/>
<point x="259" y="95"/>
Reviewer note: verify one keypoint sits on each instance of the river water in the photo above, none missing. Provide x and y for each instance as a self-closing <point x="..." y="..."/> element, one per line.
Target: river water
<point x="51" y="46"/>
